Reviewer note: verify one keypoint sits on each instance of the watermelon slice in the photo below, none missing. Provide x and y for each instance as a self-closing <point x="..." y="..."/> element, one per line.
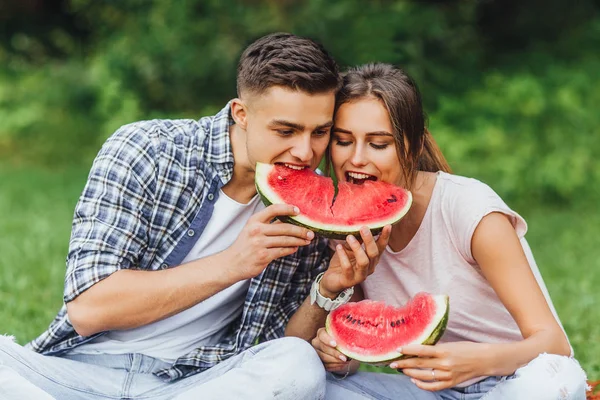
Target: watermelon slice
<point x="372" y="331"/>
<point x="373" y="203"/>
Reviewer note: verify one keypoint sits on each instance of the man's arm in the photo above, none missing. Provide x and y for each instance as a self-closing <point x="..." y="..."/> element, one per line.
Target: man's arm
<point x="131" y="298"/>
<point x="107" y="287"/>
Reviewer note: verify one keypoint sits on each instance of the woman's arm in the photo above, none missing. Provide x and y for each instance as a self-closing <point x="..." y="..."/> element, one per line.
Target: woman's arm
<point x="349" y="266"/>
<point x="499" y="253"/>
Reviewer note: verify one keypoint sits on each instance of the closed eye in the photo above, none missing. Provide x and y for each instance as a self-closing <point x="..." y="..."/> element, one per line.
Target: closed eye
<point x="322" y="132"/>
<point x="285" y="132"/>
<point x="339" y="142"/>
<point x="379" y="146"/>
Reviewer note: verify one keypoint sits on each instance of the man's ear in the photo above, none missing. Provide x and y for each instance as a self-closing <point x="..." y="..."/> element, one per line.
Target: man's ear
<point x="239" y="113"/>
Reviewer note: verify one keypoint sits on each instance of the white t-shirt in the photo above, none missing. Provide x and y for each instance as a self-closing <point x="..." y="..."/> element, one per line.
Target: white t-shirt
<point x="438" y="260"/>
<point x="202" y="324"/>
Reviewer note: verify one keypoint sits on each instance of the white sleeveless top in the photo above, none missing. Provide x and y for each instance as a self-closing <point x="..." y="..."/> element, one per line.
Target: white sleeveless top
<point x="438" y="260"/>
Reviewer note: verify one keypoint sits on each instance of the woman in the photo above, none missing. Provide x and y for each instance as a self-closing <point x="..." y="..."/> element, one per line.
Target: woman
<point x="459" y="238"/>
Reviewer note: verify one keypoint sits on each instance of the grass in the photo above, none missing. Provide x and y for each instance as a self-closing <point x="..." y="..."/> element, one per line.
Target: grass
<point x="36" y="208"/>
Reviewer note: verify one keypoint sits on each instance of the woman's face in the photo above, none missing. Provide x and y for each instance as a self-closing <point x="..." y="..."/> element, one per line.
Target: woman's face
<point x="363" y="146"/>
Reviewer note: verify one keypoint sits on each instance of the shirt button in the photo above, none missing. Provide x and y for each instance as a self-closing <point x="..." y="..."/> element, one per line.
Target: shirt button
<point x="211" y="196"/>
<point x="191" y="232"/>
<point x="163" y="265"/>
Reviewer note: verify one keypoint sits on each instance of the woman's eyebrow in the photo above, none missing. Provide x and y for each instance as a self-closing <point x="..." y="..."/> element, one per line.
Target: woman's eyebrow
<point x="375" y="133"/>
<point x="340" y="130"/>
<point x="379" y="133"/>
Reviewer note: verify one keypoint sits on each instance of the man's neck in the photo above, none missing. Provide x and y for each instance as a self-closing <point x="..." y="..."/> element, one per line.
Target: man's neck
<point x="241" y="187"/>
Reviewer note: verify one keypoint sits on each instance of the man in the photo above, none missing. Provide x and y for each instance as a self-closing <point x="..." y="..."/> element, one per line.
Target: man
<point x="178" y="285"/>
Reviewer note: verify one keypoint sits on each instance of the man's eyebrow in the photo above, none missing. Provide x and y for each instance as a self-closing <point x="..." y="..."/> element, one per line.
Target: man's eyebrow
<point x="299" y="127"/>
<point x="282" y="122"/>
<point x="325" y="125"/>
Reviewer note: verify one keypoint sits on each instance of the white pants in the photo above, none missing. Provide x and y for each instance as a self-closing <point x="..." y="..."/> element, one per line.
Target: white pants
<point x="548" y="377"/>
<point x="286" y="368"/>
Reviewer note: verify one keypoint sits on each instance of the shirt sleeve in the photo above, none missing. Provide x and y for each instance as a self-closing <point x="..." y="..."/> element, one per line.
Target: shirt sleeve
<point x="314" y="260"/>
<point x="466" y="205"/>
<point x="110" y="223"/>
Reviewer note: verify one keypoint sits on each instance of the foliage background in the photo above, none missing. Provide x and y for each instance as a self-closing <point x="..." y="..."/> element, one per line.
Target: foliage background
<point x="511" y="90"/>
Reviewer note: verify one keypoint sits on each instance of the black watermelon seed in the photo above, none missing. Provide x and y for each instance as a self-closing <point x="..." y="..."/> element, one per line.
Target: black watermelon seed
<point x="398" y="322"/>
<point x="393" y="324"/>
<point x="358" y="321"/>
<point x="353" y="321"/>
<point x="393" y="199"/>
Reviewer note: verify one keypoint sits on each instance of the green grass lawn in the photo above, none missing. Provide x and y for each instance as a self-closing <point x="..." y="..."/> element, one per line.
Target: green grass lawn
<point x="36" y="208"/>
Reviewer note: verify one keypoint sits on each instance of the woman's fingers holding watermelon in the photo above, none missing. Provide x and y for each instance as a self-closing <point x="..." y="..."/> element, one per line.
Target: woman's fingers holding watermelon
<point x="384" y="238"/>
<point x="329" y="359"/>
<point x="360" y="256"/>
<point x="372" y="247"/>
<point x="424" y="358"/>
<point x="343" y="258"/>
<point x="433" y="386"/>
<point x="341" y="368"/>
<point x="369" y="242"/>
<point x="420" y="350"/>
<point x="426" y="375"/>
<point x="326" y="344"/>
<point x="327" y="354"/>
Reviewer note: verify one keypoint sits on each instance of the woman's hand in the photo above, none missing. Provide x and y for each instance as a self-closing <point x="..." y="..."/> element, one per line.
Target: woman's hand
<point x="444" y="365"/>
<point x="333" y="360"/>
<point x="353" y="262"/>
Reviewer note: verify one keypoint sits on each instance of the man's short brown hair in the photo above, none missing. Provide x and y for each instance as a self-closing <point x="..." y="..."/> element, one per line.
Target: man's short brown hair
<point x="284" y="59"/>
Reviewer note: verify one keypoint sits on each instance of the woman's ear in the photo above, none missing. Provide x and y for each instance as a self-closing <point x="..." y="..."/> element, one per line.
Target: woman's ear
<point x="239" y="113"/>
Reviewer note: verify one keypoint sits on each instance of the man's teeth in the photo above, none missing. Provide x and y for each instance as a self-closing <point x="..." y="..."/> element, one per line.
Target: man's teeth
<point x="296" y="167"/>
<point x="356" y="175"/>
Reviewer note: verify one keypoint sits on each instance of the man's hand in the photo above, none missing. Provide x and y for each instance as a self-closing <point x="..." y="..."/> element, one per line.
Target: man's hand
<point x="353" y="262"/>
<point x="261" y="241"/>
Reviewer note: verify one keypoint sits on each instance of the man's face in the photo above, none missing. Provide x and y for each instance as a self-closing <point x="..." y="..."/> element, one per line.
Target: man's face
<point x="286" y="126"/>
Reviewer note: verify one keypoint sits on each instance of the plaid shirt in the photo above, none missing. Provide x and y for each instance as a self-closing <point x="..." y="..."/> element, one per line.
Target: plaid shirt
<point x="149" y="196"/>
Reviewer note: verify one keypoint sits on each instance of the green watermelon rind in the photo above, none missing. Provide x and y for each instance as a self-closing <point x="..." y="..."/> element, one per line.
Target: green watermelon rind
<point x="385" y="359"/>
<point x="331" y="232"/>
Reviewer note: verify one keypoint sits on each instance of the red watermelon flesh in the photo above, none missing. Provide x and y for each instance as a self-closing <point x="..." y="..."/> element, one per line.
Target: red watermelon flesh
<point x="372" y="331"/>
<point x="373" y="203"/>
<point x="312" y="193"/>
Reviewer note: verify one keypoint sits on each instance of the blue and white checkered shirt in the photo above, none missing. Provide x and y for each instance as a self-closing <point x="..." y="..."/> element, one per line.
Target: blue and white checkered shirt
<point x="149" y="195"/>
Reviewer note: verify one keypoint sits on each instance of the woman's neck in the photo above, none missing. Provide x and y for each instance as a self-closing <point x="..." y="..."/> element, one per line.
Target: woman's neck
<point x="404" y="231"/>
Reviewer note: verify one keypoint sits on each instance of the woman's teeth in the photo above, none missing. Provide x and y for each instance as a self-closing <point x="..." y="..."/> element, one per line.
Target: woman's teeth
<point x="358" y="178"/>
<point x="356" y="175"/>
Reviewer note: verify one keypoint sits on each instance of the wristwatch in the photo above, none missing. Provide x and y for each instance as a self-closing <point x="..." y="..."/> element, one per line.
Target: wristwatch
<point x="325" y="302"/>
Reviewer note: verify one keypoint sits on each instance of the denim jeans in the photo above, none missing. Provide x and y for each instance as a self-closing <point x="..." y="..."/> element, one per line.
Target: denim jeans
<point x="286" y="368"/>
<point x="548" y="377"/>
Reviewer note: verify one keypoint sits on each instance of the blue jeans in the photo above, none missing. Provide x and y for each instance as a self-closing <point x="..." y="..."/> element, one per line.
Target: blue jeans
<point x="286" y="368"/>
<point x="548" y="377"/>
